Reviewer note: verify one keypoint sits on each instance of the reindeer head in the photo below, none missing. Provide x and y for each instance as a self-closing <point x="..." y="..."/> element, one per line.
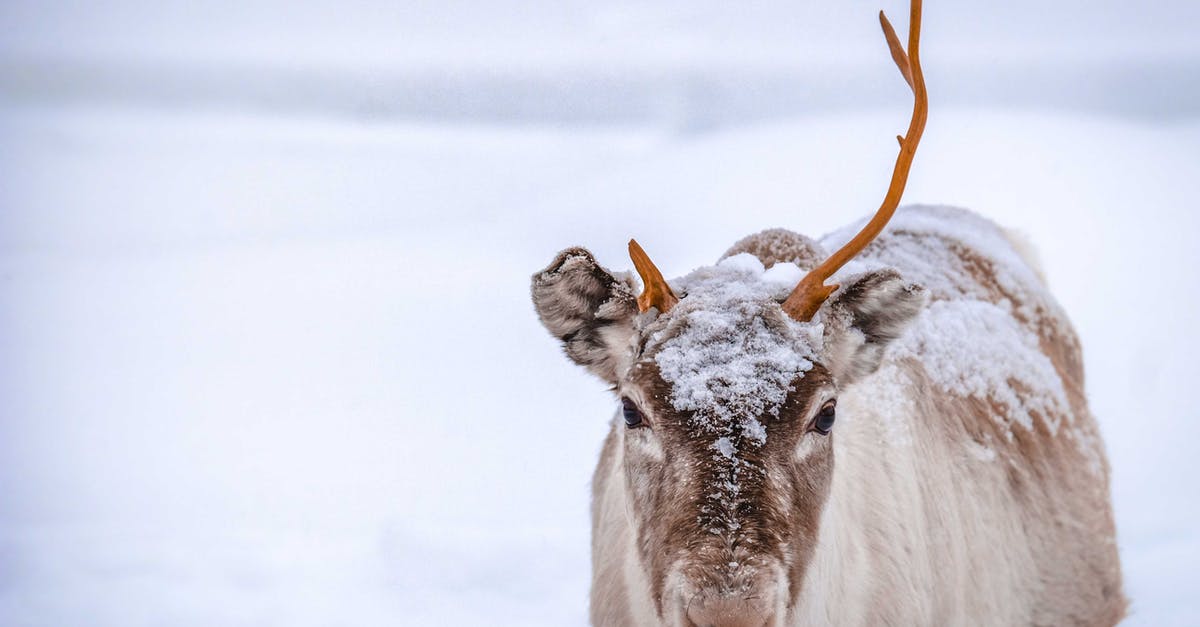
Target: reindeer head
<point x="728" y="395"/>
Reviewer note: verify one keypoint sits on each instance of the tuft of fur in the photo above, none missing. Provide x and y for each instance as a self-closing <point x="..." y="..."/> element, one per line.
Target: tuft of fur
<point x="587" y="308"/>
<point x="774" y="246"/>
<point x="1025" y="248"/>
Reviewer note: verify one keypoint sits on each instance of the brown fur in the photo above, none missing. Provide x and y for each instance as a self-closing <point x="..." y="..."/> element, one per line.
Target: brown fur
<point x="774" y="246"/>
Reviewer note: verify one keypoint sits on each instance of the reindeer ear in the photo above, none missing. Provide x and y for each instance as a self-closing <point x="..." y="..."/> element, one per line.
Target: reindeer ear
<point x="588" y="309"/>
<point x="863" y="317"/>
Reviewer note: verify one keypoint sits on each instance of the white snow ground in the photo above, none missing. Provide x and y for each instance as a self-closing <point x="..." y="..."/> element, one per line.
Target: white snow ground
<point x="266" y="351"/>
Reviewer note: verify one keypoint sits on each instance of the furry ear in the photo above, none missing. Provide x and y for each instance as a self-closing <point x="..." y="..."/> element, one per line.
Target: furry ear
<point x="863" y="317"/>
<point x="588" y="309"/>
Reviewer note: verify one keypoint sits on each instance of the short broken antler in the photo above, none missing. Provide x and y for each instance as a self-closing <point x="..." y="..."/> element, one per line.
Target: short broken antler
<point x="804" y="301"/>
<point x="655" y="291"/>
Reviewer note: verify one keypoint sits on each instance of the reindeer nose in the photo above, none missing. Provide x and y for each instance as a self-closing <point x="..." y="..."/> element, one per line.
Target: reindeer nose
<point x="730" y="611"/>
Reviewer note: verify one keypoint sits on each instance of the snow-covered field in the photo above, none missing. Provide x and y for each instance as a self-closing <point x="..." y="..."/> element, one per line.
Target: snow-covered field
<point x="273" y="372"/>
<point x="272" y="365"/>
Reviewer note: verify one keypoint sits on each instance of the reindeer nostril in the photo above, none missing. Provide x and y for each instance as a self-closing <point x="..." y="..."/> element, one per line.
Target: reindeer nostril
<point x="730" y="612"/>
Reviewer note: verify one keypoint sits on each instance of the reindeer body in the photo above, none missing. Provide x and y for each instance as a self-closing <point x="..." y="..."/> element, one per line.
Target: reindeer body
<point x="969" y="484"/>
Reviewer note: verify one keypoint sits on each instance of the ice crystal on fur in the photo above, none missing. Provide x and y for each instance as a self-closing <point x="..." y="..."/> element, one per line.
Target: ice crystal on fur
<point x="735" y="355"/>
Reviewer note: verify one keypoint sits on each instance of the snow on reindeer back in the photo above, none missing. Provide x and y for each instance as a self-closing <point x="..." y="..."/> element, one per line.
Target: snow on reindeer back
<point x="729" y="352"/>
<point x="980" y="337"/>
<point x="955" y="255"/>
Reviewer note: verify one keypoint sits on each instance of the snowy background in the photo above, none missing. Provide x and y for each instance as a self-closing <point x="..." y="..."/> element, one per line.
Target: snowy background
<point x="266" y="350"/>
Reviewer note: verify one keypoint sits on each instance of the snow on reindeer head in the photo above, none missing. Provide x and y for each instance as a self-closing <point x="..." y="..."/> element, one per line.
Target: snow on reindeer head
<point x="728" y="381"/>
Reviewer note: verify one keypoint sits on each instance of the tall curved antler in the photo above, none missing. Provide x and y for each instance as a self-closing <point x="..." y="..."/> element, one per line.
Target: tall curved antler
<point x="655" y="291"/>
<point x="804" y="301"/>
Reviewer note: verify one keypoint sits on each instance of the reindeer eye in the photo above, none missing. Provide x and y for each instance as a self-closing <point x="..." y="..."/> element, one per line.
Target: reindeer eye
<point x="825" y="417"/>
<point x="633" y="416"/>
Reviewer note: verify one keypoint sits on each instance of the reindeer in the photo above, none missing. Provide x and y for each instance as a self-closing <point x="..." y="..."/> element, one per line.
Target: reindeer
<point x="964" y="482"/>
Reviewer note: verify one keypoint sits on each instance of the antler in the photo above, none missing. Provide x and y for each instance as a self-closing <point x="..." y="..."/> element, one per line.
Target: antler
<point x="655" y="291"/>
<point x="804" y="301"/>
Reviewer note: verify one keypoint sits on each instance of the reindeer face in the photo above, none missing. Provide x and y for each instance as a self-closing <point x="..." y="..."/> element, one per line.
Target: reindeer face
<point x="729" y="469"/>
<point x="727" y="418"/>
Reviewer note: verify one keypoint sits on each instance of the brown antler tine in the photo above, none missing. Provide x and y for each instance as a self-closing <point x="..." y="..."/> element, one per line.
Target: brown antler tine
<point x="655" y="291"/>
<point x="898" y="54"/>
<point x="804" y="301"/>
